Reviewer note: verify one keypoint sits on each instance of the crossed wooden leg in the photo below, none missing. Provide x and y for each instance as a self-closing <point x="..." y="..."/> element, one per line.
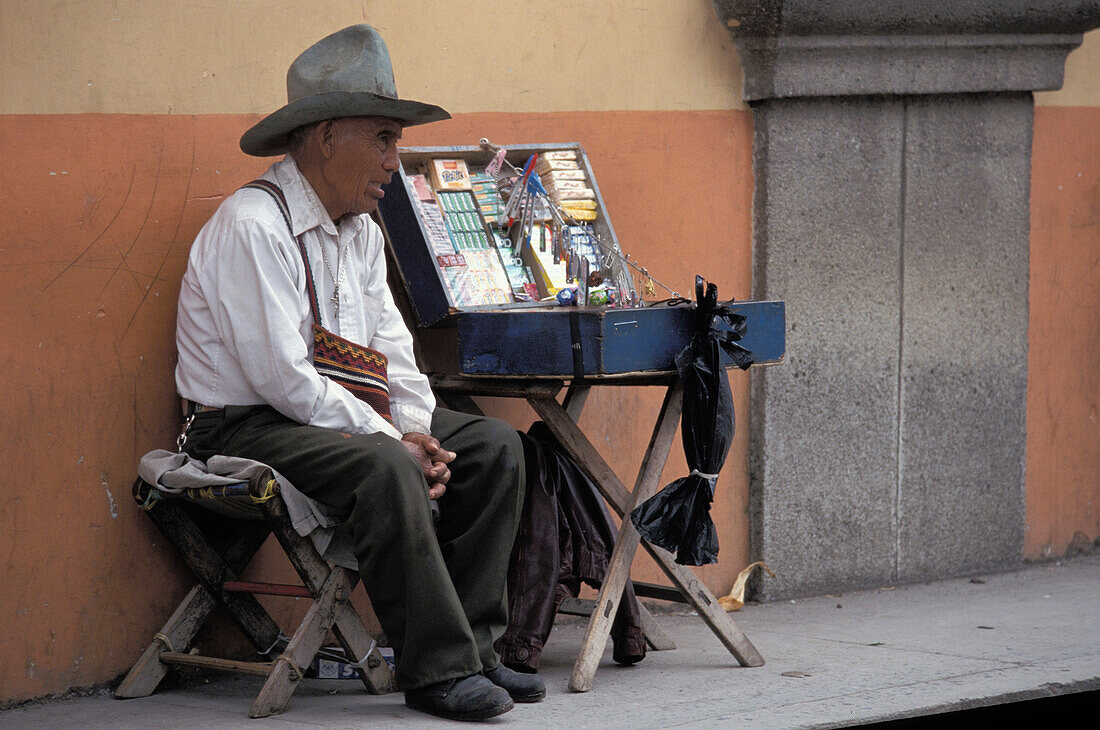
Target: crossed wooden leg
<point x="330" y="589"/>
<point x="184" y="623"/>
<point x="336" y="614"/>
<point x="589" y="460"/>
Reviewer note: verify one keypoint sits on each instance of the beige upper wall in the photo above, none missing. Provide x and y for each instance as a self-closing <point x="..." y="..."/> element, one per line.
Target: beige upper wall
<point x="231" y="56"/>
<point x="1082" y="82"/>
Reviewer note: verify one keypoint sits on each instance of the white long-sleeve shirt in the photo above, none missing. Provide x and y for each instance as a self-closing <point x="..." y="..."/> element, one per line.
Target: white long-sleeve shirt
<point x="243" y="322"/>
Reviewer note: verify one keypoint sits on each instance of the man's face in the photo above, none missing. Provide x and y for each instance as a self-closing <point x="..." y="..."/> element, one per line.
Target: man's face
<point x="364" y="158"/>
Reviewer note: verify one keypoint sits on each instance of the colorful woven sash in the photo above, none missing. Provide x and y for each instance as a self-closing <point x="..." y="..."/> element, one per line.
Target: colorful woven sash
<point x="358" y="368"/>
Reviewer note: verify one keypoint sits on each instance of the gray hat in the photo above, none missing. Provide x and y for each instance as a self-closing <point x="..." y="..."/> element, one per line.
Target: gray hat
<point x="347" y="74"/>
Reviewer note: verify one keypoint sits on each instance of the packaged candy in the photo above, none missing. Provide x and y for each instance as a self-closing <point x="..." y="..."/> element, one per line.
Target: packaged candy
<point x="567" y="297"/>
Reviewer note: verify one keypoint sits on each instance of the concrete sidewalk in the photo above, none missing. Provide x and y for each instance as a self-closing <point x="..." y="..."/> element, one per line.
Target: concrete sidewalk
<point x="831" y="661"/>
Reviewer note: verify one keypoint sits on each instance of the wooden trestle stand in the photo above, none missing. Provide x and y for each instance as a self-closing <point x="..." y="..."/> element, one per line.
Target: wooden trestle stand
<point x="562" y="420"/>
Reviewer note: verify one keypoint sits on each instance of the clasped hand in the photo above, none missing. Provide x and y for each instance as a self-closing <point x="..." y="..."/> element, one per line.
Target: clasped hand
<point x="433" y="460"/>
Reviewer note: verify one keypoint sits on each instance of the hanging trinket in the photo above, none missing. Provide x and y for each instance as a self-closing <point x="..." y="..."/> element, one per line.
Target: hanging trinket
<point x="648" y="288"/>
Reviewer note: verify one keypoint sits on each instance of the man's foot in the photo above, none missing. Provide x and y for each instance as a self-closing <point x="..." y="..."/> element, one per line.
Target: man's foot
<point x="521" y="687"/>
<point x="468" y="698"/>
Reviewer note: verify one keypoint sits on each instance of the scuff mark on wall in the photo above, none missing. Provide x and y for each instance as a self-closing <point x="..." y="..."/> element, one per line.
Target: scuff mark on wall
<point x="112" y="506"/>
<point x="98" y="236"/>
<point x="171" y="243"/>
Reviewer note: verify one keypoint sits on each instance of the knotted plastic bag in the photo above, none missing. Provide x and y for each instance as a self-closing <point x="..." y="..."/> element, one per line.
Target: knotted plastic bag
<point x="678" y="517"/>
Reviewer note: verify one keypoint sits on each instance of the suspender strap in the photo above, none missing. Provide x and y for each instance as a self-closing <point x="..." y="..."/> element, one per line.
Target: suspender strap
<point x="276" y="192"/>
<point x="280" y="200"/>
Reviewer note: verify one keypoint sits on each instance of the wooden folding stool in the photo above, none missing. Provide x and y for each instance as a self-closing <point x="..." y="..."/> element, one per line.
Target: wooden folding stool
<point x="217" y="570"/>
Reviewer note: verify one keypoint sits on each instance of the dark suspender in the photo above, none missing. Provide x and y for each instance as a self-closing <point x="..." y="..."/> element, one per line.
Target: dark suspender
<point x="277" y="193"/>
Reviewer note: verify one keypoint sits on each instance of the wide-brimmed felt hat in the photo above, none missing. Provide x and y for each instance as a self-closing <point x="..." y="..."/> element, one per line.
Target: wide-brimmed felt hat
<point x="346" y="74"/>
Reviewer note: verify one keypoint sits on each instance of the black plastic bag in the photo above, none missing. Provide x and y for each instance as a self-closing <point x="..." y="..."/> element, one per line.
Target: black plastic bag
<point x="678" y="517"/>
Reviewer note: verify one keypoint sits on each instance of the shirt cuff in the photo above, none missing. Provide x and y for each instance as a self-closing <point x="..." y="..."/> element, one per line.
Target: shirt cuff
<point x="411" y="418"/>
<point x="392" y="431"/>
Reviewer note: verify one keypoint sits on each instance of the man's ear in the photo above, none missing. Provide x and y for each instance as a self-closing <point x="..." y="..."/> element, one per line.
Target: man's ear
<point x="326" y="137"/>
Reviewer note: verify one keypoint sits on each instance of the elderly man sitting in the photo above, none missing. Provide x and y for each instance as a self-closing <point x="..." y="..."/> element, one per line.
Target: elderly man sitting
<point x="292" y="353"/>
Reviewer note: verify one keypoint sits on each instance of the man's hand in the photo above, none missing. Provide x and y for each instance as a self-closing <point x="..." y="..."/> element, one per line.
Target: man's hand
<point x="433" y="460"/>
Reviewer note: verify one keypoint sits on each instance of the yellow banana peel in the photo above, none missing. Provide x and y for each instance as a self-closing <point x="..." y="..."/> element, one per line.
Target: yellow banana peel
<point x="736" y="598"/>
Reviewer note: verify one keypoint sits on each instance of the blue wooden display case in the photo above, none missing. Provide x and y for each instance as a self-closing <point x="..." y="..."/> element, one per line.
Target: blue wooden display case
<point x="536" y="339"/>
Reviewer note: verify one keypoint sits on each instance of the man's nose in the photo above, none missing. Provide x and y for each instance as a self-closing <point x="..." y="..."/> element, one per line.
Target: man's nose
<point x="391" y="162"/>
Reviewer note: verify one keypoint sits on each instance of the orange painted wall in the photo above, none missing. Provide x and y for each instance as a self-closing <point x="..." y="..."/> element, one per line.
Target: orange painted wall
<point x="99" y="212"/>
<point x="1063" y="406"/>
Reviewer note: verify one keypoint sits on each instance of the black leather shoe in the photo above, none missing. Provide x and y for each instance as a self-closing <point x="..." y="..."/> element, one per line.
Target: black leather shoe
<point x="521" y="687"/>
<point x="470" y="698"/>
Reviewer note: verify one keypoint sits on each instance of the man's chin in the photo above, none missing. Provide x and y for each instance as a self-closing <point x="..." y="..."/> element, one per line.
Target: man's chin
<point x="366" y="207"/>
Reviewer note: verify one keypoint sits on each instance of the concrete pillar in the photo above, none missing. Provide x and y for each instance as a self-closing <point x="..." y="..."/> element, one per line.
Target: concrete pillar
<point x="892" y="146"/>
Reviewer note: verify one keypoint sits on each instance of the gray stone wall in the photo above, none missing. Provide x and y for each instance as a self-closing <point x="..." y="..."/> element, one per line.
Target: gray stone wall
<point x="892" y="166"/>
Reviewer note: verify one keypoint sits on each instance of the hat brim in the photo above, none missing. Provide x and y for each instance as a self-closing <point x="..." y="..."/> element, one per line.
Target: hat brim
<point x="269" y="136"/>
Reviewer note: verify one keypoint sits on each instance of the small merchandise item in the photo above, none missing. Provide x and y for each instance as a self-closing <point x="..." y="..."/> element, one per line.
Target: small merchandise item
<point x="583" y="211"/>
<point x="582" y="240"/>
<point x="360" y="369"/>
<point x="567" y="296"/>
<point x="450" y="175"/>
<point x="488" y="197"/>
<point x="601" y="296"/>
<point x="518" y="273"/>
<point x="564" y="181"/>
<point x="549" y="266"/>
<point x="435" y="228"/>
<point x="476" y="275"/>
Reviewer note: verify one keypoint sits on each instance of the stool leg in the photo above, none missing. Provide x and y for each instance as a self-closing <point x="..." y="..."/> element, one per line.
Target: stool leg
<point x="180" y="629"/>
<point x="358" y="644"/>
<point x="286" y="674"/>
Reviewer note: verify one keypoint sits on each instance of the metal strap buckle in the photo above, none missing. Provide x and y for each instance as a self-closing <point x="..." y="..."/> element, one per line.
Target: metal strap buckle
<point x="182" y="438"/>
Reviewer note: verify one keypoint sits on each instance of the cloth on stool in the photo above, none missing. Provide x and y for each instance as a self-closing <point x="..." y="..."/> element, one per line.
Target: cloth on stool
<point x="172" y="473"/>
<point x="565" y="539"/>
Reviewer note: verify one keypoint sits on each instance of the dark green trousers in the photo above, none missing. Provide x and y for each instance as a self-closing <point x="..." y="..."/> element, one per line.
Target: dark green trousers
<point x="439" y="591"/>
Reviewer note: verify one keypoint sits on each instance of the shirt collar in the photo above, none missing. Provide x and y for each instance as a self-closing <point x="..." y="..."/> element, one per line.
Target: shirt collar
<point x="306" y="209"/>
